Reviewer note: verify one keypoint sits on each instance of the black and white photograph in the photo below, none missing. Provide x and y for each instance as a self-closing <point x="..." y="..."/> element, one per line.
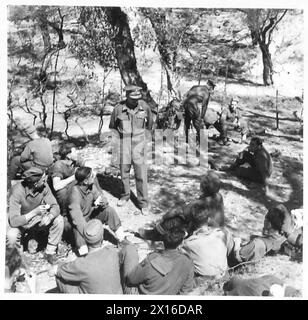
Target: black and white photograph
<point x="153" y="150"/>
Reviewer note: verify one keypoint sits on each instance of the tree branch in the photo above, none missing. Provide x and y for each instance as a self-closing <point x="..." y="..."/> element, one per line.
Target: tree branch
<point x="275" y="24"/>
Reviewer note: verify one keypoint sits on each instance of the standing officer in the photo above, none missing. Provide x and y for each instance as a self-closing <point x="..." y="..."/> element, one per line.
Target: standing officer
<point x="130" y="118"/>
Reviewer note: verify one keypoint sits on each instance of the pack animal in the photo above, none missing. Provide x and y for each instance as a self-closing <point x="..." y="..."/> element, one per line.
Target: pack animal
<point x="196" y="98"/>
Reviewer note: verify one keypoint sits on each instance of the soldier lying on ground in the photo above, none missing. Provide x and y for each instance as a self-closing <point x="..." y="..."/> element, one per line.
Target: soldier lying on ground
<point x="97" y="272"/>
<point x="259" y="160"/>
<point x="85" y="203"/>
<point x="32" y="207"/>
<point x="37" y="153"/>
<point x="210" y="205"/>
<point x="279" y="230"/>
<point x="164" y="272"/>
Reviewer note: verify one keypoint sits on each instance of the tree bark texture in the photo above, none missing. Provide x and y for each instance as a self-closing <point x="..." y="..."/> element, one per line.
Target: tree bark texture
<point x="125" y="53"/>
<point x="267" y="65"/>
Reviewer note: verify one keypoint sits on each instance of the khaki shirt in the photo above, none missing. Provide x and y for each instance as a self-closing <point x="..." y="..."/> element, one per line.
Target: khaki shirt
<point x="131" y="124"/>
<point x="63" y="170"/>
<point x="97" y="272"/>
<point x="39" y="151"/>
<point x="209" y="248"/>
<point x="129" y="121"/>
<point x="163" y="272"/>
<point x="23" y="200"/>
<point x="81" y="204"/>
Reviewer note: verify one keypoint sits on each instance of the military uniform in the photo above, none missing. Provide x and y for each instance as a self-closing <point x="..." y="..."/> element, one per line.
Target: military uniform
<point x="209" y="249"/>
<point x="22" y="201"/>
<point x="37" y="153"/>
<point x="97" y="272"/>
<point x="260" y="169"/>
<point x="230" y="119"/>
<point x="131" y="124"/>
<point x="279" y="231"/>
<point x="81" y="209"/>
<point x="225" y="120"/>
<point x="167" y="272"/>
<point x="62" y="169"/>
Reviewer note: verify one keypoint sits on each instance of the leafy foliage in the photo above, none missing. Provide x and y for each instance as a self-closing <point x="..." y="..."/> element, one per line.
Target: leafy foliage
<point x="262" y="23"/>
<point x="92" y="41"/>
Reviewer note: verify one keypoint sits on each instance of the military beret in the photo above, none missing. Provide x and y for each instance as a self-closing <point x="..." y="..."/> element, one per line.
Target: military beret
<point x="33" y="174"/>
<point x="93" y="231"/>
<point x="132" y="87"/>
<point x="210" y="183"/>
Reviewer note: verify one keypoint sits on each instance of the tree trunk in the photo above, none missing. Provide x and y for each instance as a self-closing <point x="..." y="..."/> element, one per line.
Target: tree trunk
<point x="43" y="25"/>
<point x="125" y="53"/>
<point x="166" y="50"/>
<point x="267" y="65"/>
<point x="46" y="38"/>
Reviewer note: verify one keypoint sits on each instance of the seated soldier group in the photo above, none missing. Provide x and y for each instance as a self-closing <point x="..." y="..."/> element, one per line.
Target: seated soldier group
<point x="196" y="241"/>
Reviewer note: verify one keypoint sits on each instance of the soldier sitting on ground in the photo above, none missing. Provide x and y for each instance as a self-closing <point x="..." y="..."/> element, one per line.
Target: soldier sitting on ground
<point x="279" y="230"/>
<point x="63" y="174"/>
<point x="162" y="272"/>
<point x="209" y="247"/>
<point x="259" y="160"/>
<point x="97" y="272"/>
<point x="210" y="205"/>
<point x="32" y="207"/>
<point x="37" y="153"/>
<point x="86" y="202"/>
